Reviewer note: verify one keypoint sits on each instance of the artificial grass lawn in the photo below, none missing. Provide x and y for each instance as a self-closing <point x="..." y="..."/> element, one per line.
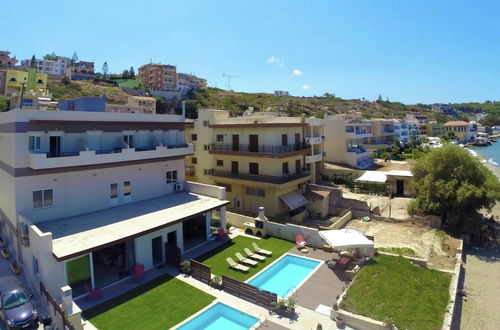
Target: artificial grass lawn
<point x="216" y="259"/>
<point x="158" y="304"/>
<point x="391" y="288"/>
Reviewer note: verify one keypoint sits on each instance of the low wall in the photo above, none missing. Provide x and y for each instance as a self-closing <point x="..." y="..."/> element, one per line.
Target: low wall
<point x="205" y="189"/>
<point x="418" y="261"/>
<point x="454" y="309"/>
<point x="289" y="231"/>
<point x="339" y="222"/>
<point x="237" y="220"/>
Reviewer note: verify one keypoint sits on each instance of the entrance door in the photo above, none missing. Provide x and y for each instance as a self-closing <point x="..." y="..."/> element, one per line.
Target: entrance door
<point x="236" y="142"/>
<point x="55" y="146"/>
<point x="234" y="168"/>
<point x="157" y="252"/>
<point x="297" y="141"/>
<point x="400" y="187"/>
<point x="254" y="143"/>
<point x="172" y="252"/>
<point x="172" y="238"/>
<point x="298" y="168"/>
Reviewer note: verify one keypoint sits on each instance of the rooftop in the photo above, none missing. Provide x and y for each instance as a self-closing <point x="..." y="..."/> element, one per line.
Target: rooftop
<point x="456" y="123"/>
<point x="78" y="235"/>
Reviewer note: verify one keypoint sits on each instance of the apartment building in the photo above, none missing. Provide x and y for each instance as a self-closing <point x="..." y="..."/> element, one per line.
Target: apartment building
<point x="419" y="120"/>
<point x="81" y="70"/>
<point x="345" y="135"/>
<point x="435" y="129"/>
<point x="53" y="67"/>
<point x="404" y="130"/>
<point x="6" y="60"/>
<point x="261" y="159"/>
<point x="382" y="136"/>
<point x="462" y="129"/>
<point x="187" y="82"/>
<point x="135" y="104"/>
<point x="29" y="80"/>
<point x="443" y="108"/>
<point x="159" y="77"/>
<point x="281" y="93"/>
<point x="87" y="196"/>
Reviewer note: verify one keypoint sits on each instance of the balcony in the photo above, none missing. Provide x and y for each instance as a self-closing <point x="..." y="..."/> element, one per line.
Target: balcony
<point x="315" y="140"/>
<point x="258" y="150"/>
<point x="38" y="161"/>
<point x="261" y="178"/>
<point x="358" y="132"/>
<point x="314" y="158"/>
<point x="357" y="150"/>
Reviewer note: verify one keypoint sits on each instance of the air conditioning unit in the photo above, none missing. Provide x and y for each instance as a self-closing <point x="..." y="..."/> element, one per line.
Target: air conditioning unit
<point x="178" y="187"/>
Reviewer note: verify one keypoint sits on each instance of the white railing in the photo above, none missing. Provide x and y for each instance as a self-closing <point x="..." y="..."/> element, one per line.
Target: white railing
<point x="314" y="158"/>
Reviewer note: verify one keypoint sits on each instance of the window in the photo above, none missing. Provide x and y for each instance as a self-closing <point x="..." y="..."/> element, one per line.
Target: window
<point x="205" y="147"/>
<point x="171" y="176"/>
<point x="284" y="166"/>
<point x="127" y="189"/>
<point x="43" y="198"/>
<point x="205" y="123"/>
<point x="253" y="168"/>
<point x="129" y="140"/>
<point x="194" y="160"/>
<point x="220" y="138"/>
<point x="194" y="137"/>
<point x="35" y="264"/>
<point x="114" y="190"/>
<point x="219" y="162"/>
<point x="256" y="192"/>
<point x="27" y="102"/>
<point x="227" y="186"/>
<point x="34" y="143"/>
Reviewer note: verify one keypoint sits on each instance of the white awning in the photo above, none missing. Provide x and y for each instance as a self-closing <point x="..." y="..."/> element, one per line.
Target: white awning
<point x="400" y="173"/>
<point x="294" y="199"/>
<point x="346" y="239"/>
<point x="373" y="176"/>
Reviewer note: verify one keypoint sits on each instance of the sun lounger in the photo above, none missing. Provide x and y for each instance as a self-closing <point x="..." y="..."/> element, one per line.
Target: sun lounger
<point x="300" y="241"/>
<point x="255" y="256"/>
<point x="261" y="251"/>
<point x="236" y="266"/>
<point x="244" y="260"/>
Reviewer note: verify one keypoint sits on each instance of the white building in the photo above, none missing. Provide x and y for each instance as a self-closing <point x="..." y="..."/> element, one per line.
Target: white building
<point x="404" y="130"/>
<point x="56" y="67"/>
<point x="102" y="191"/>
<point x="281" y="93"/>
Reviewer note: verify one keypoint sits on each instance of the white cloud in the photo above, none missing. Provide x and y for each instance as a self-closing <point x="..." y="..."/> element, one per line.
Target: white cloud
<point x="296" y="72"/>
<point x="306" y="87"/>
<point x="279" y="61"/>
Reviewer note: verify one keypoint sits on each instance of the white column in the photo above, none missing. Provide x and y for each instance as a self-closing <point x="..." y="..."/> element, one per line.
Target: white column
<point x="92" y="279"/>
<point x="67" y="299"/>
<point x="208" y="218"/>
<point x="223" y="217"/>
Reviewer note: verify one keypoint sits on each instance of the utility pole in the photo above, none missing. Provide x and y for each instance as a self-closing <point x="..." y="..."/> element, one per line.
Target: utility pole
<point x="229" y="77"/>
<point x="22" y="96"/>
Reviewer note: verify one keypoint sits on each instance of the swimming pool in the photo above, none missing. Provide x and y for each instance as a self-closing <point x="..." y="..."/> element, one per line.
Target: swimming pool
<point x="285" y="274"/>
<point x="220" y="316"/>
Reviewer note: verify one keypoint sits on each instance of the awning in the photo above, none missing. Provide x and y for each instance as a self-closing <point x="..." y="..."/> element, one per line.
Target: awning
<point x="373" y="176"/>
<point x="294" y="199"/>
<point x="346" y="239"/>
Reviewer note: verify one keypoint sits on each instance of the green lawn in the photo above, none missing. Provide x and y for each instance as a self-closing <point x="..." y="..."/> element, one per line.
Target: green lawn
<point x="216" y="259"/>
<point x="391" y="288"/>
<point x="158" y="304"/>
<point x="128" y="83"/>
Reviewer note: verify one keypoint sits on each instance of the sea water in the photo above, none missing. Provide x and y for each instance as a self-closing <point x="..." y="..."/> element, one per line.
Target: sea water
<point x="491" y="153"/>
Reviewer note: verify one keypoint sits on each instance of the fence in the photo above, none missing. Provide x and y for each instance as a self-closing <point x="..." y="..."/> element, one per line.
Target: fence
<point x="249" y="292"/>
<point x="56" y="310"/>
<point x="200" y="271"/>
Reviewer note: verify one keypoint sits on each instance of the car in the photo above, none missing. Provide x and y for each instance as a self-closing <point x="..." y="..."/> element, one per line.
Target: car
<point x="16" y="306"/>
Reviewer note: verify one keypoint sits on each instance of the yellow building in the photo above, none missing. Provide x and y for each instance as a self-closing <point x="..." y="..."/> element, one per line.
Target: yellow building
<point x="461" y="129"/>
<point x="30" y="79"/>
<point x="261" y="159"/>
<point x="434" y="129"/>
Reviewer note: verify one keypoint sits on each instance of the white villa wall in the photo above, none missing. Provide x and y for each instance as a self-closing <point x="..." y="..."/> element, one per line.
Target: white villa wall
<point x="335" y="146"/>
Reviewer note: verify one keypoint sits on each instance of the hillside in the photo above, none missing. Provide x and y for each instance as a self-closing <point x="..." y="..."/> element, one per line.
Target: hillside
<point x="62" y="90"/>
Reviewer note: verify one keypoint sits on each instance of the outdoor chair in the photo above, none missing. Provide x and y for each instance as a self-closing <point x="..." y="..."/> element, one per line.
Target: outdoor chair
<point x="138" y="272"/>
<point x="300" y="241"/>
<point x="221" y="234"/>
<point x="236" y="266"/>
<point x="252" y="255"/>
<point x="97" y="292"/>
<point x="261" y="251"/>
<point x="246" y="261"/>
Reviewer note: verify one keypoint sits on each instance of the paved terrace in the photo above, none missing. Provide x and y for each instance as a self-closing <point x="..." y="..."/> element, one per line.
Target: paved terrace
<point x="81" y="234"/>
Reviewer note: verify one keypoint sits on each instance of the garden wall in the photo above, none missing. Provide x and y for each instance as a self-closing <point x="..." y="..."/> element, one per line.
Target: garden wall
<point x="289" y="231"/>
<point x="237" y="220"/>
<point x="454" y="310"/>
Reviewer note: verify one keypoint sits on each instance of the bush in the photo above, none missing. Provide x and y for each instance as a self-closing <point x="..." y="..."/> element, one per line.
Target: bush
<point x="215" y="282"/>
<point x="186" y="267"/>
<point x="228" y="226"/>
<point x="286" y="304"/>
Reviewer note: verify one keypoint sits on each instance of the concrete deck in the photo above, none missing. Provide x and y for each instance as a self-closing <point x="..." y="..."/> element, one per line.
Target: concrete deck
<point x="80" y="234"/>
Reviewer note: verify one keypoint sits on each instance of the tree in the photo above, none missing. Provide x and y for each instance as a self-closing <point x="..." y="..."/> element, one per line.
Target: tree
<point x="132" y="72"/>
<point x="105" y="69"/>
<point x="451" y="183"/>
<point x="74" y="58"/>
<point x="386" y="156"/>
<point x="3" y="103"/>
<point x="379" y="99"/>
<point x="51" y="56"/>
<point x="125" y="74"/>
<point x="33" y="62"/>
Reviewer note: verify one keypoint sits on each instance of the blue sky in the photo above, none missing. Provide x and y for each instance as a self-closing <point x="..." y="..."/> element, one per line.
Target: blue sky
<point x="410" y="51"/>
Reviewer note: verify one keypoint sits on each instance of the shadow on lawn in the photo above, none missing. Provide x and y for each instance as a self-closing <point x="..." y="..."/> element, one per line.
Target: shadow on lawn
<point x="112" y="303"/>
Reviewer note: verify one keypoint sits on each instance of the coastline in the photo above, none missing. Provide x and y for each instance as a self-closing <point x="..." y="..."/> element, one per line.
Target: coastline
<point x="496" y="171"/>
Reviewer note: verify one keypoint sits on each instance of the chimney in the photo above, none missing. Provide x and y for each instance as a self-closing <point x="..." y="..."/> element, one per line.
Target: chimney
<point x="183" y="108"/>
<point x="262" y="215"/>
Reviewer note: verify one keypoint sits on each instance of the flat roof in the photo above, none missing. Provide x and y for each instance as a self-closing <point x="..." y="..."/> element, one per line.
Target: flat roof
<point x="79" y="235"/>
<point x="373" y="176"/>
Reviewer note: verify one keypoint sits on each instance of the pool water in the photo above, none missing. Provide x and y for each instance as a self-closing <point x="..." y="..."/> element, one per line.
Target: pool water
<point x="220" y="316"/>
<point x="284" y="275"/>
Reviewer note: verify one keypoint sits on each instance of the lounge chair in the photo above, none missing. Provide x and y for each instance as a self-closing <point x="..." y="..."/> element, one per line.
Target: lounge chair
<point x="300" y="241"/>
<point x="246" y="261"/>
<point x="236" y="266"/>
<point x="261" y="251"/>
<point x="252" y="255"/>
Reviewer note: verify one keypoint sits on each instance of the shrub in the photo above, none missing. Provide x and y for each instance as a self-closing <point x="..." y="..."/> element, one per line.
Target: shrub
<point x="186" y="267"/>
<point x="215" y="282"/>
<point x="228" y="226"/>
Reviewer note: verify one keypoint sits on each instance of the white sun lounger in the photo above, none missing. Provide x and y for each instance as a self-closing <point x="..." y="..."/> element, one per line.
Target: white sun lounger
<point x="244" y="260"/>
<point x="236" y="266"/>
<point x="255" y="256"/>
<point x="261" y="251"/>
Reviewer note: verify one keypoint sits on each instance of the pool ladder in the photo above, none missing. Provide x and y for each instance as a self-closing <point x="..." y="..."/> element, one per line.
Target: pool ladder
<point x="292" y="291"/>
<point x="262" y="322"/>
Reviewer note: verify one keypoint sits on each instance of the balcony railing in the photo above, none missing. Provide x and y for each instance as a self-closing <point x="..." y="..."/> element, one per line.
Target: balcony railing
<point x="261" y="178"/>
<point x="357" y="150"/>
<point x="260" y="149"/>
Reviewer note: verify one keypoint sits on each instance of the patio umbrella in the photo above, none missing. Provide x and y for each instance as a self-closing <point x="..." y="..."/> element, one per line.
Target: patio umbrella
<point x="346" y="239"/>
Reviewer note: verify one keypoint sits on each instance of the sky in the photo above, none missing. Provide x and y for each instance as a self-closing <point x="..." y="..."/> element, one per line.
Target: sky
<point x="408" y="51"/>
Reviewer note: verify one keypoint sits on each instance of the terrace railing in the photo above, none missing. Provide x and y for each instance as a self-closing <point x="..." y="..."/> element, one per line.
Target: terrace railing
<point x="260" y="177"/>
<point x="259" y="149"/>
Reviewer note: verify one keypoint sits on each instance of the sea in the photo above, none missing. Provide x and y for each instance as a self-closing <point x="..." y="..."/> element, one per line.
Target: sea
<point x="490" y="153"/>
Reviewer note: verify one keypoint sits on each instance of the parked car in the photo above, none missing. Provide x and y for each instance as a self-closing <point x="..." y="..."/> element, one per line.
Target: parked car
<point x="16" y="306"/>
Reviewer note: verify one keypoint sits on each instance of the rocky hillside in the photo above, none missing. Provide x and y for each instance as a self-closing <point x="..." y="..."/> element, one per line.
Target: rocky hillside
<point x="64" y="89"/>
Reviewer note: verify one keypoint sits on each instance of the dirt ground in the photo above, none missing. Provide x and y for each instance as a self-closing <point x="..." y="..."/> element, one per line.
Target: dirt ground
<point x="393" y="165"/>
<point x="395" y="208"/>
<point x="481" y="308"/>
<point x="435" y="246"/>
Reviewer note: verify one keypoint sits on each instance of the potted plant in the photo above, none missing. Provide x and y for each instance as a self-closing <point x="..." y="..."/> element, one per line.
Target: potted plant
<point x="186" y="267"/>
<point x="339" y="320"/>
<point x="215" y="282"/>
<point x="285" y="306"/>
<point x="5" y="253"/>
<point x="16" y="268"/>
<point x="319" y="327"/>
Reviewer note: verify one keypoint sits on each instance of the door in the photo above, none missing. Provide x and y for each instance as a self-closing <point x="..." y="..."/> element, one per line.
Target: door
<point x="234" y="168"/>
<point x="400" y="187"/>
<point x="157" y="253"/>
<point x="298" y="168"/>
<point x="297" y="141"/>
<point x="253" y="168"/>
<point x="55" y="146"/>
<point x="284" y="142"/>
<point x="254" y="143"/>
<point x="236" y="142"/>
<point x="172" y="252"/>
